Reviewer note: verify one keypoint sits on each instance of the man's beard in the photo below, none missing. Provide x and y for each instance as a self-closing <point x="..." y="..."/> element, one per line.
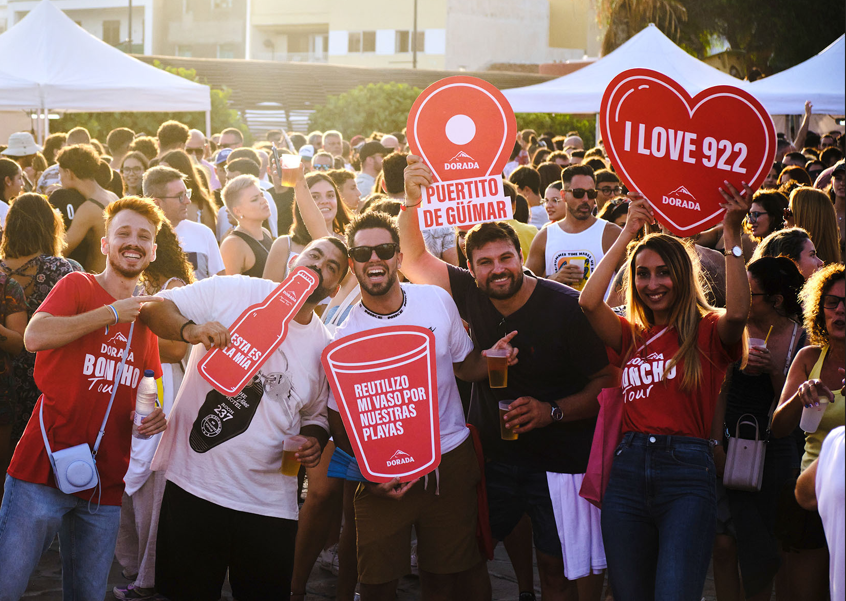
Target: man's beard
<point x="320" y="292"/>
<point x="129" y="274"/>
<point x="380" y="289"/>
<point x="514" y="288"/>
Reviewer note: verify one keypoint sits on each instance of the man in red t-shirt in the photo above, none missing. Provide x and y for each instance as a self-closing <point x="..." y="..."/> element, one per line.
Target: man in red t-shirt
<point x="80" y="333"/>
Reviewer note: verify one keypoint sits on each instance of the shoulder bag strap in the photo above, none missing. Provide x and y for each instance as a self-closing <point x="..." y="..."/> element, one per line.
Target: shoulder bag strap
<point x="118" y="373"/>
<point x="787" y="363"/>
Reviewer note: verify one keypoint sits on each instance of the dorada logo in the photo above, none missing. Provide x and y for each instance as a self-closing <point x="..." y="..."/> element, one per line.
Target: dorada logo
<point x="461" y="161"/>
<point x="681" y="197"/>
<point x="117" y="339"/>
<point x="400" y="458"/>
<point x="289" y="295"/>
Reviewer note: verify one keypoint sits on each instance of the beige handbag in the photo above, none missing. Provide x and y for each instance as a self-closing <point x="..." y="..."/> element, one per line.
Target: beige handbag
<point x="745" y="459"/>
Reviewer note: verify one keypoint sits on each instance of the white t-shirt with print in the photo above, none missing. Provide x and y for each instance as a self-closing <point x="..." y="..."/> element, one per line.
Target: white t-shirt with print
<point x="198" y="242"/>
<point x="429" y="307"/>
<point x="830" y="488"/>
<point x="229" y="450"/>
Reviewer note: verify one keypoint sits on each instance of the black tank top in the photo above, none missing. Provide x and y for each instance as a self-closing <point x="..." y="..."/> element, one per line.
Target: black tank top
<point x="260" y="252"/>
<point x="68" y="205"/>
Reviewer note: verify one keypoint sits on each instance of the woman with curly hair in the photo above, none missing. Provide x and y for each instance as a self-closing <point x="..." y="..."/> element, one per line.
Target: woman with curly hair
<point x="139" y="515"/>
<point x="793" y="243"/>
<point x="813" y="211"/>
<point x="815" y="377"/>
<point x="203" y="205"/>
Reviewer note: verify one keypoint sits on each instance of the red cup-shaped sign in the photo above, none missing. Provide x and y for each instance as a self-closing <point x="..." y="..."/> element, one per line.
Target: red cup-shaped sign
<point x="462" y="127"/>
<point x="386" y="385"/>
<point x="677" y="151"/>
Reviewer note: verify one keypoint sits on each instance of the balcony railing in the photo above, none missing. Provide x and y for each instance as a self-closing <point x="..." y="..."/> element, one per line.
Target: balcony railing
<point x="292" y="57"/>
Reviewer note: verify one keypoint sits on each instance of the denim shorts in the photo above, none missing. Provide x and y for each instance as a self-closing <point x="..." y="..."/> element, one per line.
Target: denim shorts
<point x="514" y="490"/>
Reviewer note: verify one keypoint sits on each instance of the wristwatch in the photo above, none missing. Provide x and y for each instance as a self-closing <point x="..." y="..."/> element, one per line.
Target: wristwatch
<point x="557" y="414"/>
<point x="734" y="251"/>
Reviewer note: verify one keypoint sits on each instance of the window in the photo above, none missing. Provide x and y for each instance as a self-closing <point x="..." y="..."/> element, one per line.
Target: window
<point x="221" y="4"/>
<point x="226" y="51"/>
<point x="368" y="41"/>
<point x="183" y="50"/>
<point x="404" y="41"/>
<point x="111" y="32"/>
<point x="354" y="44"/>
<point x="362" y="41"/>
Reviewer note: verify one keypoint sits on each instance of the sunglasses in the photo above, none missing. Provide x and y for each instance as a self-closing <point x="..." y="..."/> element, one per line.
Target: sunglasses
<point x="754" y="215"/>
<point x="362" y="254"/>
<point x="579" y="193"/>
<point x="321" y="167"/>
<point x="832" y="302"/>
<point x="198" y="152"/>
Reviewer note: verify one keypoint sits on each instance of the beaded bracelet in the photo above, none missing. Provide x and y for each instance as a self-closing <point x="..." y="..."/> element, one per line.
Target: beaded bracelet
<point x="117" y="319"/>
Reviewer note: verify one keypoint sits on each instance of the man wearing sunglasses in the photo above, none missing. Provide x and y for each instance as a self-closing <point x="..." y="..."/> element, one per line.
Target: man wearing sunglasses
<point x="443" y="507"/>
<point x="322" y="161"/>
<point x="553" y="388"/>
<point x="568" y="251"/>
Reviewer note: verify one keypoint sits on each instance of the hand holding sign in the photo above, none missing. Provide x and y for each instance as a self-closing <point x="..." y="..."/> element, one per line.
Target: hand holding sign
<point x="677" y="151"/>
<point x="464" y="129"/>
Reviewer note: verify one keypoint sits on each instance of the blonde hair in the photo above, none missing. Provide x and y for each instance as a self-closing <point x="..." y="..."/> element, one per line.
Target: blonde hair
<point x="232" y="192"/>
<point x="143" y="206"/>
<point x="689" y="307"/>
<point x="814" y="212"/>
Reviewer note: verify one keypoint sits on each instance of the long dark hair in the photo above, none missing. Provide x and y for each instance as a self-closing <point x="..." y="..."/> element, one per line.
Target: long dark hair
<point x="779" y="276"/>
<point x="171" y="261"/>
<point x="299" y="232"/>
<point x="8" y="168"/>
<point x="32" y="226"/>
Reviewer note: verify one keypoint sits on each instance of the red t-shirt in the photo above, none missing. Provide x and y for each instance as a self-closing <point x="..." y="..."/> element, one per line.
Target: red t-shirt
<point x="653" y="406"/>
<point x="76" y="384"/>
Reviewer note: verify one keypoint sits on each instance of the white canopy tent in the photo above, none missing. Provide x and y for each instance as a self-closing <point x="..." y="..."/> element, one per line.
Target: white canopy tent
<point x="581" y="92"/>
<point x="820" y="79"/>
<point x="74" y="71"/>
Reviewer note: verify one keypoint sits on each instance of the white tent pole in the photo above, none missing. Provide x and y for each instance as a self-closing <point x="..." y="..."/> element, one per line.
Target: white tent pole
<point x="208" y="124"/>
<point x="598" y="133"/>
<point x="39" y="128"/>
<point x="46" y="123"/>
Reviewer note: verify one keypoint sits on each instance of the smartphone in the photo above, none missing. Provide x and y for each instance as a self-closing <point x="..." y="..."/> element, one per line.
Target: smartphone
<point x="275" y="159"/>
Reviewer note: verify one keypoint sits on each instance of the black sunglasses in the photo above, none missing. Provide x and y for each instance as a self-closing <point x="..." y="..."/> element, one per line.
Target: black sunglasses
<point x="195" y="151"/>
<point x="362" y="254"/>
<point x="579" y="193"/>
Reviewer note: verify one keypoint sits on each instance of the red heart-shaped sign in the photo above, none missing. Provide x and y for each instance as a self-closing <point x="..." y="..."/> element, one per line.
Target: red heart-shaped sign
<point x="677" y="151"/>
<point x="462" y="127"/>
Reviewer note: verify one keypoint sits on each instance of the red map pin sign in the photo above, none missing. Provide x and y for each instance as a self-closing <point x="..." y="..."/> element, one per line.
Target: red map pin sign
<point x="386" y="384"/>
<point x="462" y="127"/>
<point x="257" y="332"/>
<point x="676" y="150"/>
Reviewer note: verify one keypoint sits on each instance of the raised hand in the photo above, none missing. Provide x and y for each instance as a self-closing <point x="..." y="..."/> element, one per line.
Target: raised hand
<point x="417" y="176"/>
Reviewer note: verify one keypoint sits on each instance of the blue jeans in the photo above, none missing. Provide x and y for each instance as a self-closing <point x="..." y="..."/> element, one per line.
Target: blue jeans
<point x="30" y="517"/>
<point x="659" y="517"/>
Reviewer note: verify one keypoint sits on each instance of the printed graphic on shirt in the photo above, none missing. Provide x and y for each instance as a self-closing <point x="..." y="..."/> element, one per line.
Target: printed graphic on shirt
<point x="563" y="257"/>
<point x="222" y="418"/>
<point x="641" y="375"/>
<point x="200" y="263"/>
<point x="100" y="368"/>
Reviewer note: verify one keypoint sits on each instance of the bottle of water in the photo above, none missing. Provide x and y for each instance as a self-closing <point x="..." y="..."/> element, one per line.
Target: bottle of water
<point x="145" y="401"/>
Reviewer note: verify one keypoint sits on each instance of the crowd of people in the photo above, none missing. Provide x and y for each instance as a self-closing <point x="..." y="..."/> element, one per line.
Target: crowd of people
<point x="139" y="253"/>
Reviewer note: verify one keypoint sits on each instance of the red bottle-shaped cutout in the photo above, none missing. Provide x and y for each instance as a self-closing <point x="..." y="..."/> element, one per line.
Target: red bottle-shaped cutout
<point x="257" y="333"/>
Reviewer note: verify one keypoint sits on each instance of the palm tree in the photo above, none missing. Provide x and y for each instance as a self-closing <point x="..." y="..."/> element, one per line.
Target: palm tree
<point x="625" y="18"/>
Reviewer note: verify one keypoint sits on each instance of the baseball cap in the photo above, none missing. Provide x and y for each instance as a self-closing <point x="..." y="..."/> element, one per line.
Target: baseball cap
<point x="307" y="151"/>
<point x="839" y="166"/>
<point x="371" y="148"/>
<point x="222" y="156"/>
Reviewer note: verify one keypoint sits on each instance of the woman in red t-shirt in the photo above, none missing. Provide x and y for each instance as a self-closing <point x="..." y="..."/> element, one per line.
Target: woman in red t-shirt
<point x="659" y="510"/>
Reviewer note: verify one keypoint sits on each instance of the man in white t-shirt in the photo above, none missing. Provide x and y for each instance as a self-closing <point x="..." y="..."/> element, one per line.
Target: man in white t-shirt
<point x="822" y="487"/>
<point x="226" y="505"/>
<point x="443" y="508"/>
<point x="167" y="188"/>
<point x="370" y="155"/>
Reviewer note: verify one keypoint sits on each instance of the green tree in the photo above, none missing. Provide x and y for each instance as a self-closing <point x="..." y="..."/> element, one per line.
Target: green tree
<point x="100" y="124"/>
<point x="559" y="124"/>
<point x="375" y="107"/>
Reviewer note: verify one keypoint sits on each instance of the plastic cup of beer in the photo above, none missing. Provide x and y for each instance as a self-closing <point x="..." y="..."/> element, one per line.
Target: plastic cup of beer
<point x="504" y="432"/>
<point x="580" y="263"/>
<point x="290" y="163"/>
<point x="812" y="416"/>
<point x="290" y="465"/>
<point x="497" y="368"/>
